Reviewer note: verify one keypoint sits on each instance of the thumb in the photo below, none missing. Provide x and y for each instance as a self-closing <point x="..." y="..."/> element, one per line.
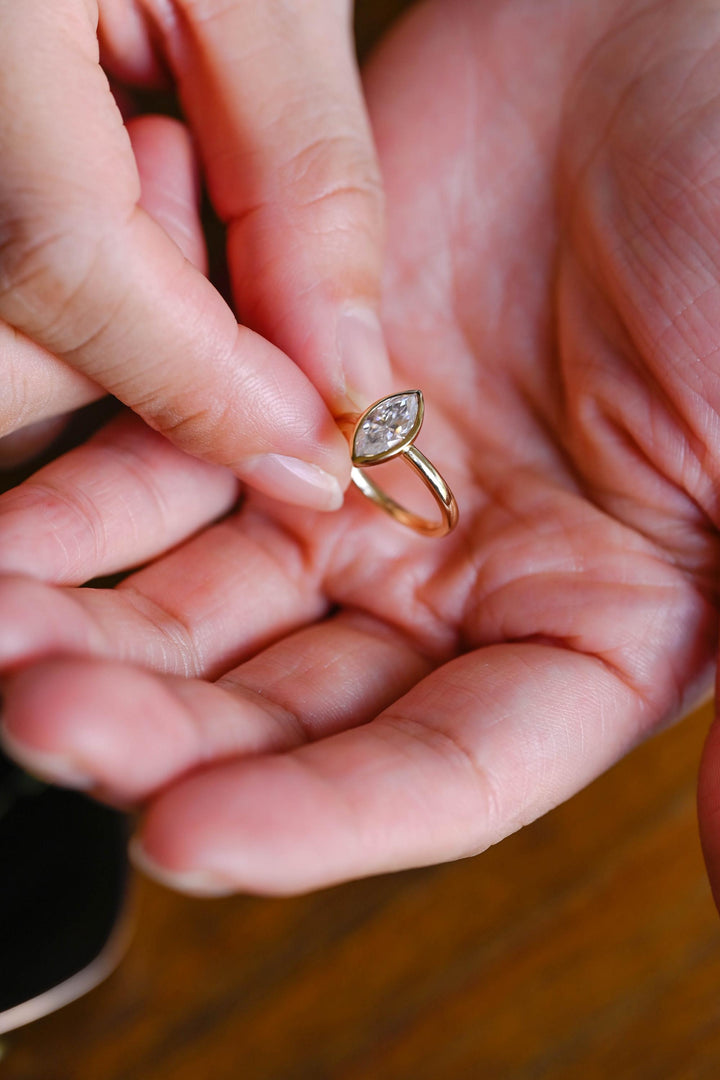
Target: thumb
<point x="273" y="93"/>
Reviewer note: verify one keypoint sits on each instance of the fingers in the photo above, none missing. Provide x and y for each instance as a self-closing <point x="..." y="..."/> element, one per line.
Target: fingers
<point x="89" y="717"/>
<point x="466" y="756"/>
<point x="273" y="94"/>
<point x="473" y="752"/>
<point x="128" y="477"/>
<point x="118" y="500"/>
<point x="129" y="48"/>
<point x="39" y="387"/>
<point x="86" y="273"/>
<point x="198" y="611"/>
<point x="170" y="181"/>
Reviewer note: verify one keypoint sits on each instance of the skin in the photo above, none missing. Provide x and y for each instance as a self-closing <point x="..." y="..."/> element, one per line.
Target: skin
<point x="95" y="296"/>
<point x="294" y="699"/>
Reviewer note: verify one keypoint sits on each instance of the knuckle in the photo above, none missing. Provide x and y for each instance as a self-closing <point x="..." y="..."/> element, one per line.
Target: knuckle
<point x="478" y="795"/>
<point x="78" y="524"/>
<point x="335" y="174"/>
<point x="191" y="422"/>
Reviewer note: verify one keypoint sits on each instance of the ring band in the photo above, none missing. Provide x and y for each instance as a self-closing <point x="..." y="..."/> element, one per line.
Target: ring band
<point x="386" y="430"/>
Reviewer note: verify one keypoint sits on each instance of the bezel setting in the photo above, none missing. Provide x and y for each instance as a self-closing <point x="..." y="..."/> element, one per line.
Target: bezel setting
<point x="394" y="444"/>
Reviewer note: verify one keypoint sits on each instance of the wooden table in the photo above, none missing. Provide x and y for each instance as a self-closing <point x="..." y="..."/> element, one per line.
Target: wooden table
<point x="586" y="946"/>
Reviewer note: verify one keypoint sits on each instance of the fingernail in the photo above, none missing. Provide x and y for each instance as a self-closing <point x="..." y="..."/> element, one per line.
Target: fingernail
<point x="294" y="481"/>
<point x="56" y="768"/>
<point x="194" y="882"/>
<point x="363" y="356"/>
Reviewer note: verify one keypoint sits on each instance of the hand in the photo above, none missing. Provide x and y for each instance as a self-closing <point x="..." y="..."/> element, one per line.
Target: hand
<point x="38" y="384"/>
<point x="298" y="699"/>
<point x="94" y="293"/>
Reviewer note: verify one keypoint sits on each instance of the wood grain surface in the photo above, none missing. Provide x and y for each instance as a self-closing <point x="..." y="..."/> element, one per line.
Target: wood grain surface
<point x="586" y="946"/>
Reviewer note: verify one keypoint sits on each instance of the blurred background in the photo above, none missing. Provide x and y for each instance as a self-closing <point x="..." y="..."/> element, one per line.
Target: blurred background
<point x="586" y="946"/>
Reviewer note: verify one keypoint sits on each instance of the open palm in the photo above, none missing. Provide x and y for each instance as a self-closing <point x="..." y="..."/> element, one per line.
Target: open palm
<point x="298" y="698"/>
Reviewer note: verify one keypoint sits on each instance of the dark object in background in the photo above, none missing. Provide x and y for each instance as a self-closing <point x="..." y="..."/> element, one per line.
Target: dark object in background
<point x="63" y="885"/>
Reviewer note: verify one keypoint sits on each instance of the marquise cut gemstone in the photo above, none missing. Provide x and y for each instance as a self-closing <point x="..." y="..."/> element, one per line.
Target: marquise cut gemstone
<point x="387" y="425"/>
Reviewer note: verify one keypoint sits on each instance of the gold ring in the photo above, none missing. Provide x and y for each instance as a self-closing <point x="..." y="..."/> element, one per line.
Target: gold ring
<point x="386" y="430"/>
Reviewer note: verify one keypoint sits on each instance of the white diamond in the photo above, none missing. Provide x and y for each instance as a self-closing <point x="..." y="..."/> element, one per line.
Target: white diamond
<point x="386" y="425"/>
